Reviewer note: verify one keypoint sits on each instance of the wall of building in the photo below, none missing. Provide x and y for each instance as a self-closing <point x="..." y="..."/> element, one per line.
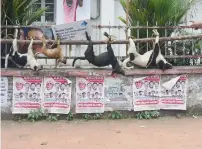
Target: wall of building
<point x="194" y="92"/>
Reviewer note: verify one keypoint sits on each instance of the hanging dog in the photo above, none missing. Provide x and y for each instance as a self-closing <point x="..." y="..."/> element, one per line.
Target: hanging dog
<point x="103" y="59"/>
<point x="150" y="58"/>
<point x="53" y="53"/>
<point x="22" y="60"/>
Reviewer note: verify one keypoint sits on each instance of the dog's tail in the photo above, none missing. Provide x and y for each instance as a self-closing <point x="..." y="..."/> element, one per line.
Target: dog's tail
<point x="81" y="58"/>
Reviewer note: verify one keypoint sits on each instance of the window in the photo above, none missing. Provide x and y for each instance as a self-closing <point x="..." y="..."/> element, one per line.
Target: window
<point x="49" y="15"/>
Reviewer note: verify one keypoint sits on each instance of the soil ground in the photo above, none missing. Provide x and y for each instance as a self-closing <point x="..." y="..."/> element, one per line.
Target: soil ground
<point x="164" y="133"/>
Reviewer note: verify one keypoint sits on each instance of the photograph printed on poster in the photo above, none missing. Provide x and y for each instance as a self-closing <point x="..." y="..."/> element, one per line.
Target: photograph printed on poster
<point x="147" y="87"/>
<point x="27" y="94"/>
<point x="91" y="91"/>
<point x="178" y="90"/>
<point x="146" y="93"/>
<point x="90" y="94"/>
<point x="57" y="91"/>
<point x="173" y="93"/>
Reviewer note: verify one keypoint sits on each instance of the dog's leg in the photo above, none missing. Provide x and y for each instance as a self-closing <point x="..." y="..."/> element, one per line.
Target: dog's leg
<point x="6" y="61"/>
<point x="15" y="46"/>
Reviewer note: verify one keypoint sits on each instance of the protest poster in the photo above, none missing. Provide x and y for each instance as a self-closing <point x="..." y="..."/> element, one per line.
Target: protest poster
<point x="57" y="94"/>
<point x="76" y="10"/>
<point x="90" y="94"/>
<point x="27" y="94"/>
<point x="4" y="91"/>
<point x="174" y="93"/>
<point x="146" y="93"/>
<point x="72" y="31"/>
<point x="118" y="93"/>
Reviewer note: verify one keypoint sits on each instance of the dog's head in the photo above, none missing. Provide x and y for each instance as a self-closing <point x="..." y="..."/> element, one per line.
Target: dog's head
<point x="118" y="70"/>
<point x="167" y="66"/>
<point x="64" y="61"/>
<point x="37" y="67"/>
<point x="163" y="66"/>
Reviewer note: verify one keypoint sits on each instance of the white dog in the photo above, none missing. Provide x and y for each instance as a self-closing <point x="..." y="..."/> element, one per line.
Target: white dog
<point x="152" y="57"/>
<point x="21" y="60"/>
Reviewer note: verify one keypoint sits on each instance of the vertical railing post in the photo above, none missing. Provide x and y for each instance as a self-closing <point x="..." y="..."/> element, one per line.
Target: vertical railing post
<point x="138" y="36"/>
<point x="6" y="46"/>
<point x="147" y="36"/>
<point x="166" y="44"/>
<point x="127" y="21"/>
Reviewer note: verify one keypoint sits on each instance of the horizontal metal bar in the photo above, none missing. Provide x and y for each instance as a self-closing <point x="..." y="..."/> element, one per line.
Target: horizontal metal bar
<point x="166" y="56"/>
<point x="85" y="42"/>
<point x="182" y="56"/>
<point x="103" y="26"/>
<point x="141" y="27"/>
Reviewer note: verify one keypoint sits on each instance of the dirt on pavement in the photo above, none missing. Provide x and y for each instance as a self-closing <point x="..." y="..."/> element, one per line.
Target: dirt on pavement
<point x="164" y="133"/>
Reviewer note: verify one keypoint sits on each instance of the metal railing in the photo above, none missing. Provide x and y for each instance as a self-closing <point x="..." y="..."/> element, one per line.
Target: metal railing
<point x="181" y="51"/>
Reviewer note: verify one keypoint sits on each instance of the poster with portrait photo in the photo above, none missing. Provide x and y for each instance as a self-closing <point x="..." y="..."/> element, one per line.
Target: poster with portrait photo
<point x="118" y="93"/>
<point x="57" y="94"/>
<point x="4" y="91"/>
<point x="36" y="33"/>
<point x="174" y="93"/>
<point x="90" y="94"/>
<point x="146" y="93"/>
<point x="27" y="94"/>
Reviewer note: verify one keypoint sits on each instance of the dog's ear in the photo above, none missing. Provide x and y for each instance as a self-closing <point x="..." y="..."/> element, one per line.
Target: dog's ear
<point x="106" y="34"/>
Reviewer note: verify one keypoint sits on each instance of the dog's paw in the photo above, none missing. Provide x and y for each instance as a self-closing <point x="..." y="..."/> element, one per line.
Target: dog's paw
<point x="155" y="32"/>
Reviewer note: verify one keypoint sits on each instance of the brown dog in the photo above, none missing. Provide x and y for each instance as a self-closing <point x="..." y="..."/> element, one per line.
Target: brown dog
<point x="53" y="53"/>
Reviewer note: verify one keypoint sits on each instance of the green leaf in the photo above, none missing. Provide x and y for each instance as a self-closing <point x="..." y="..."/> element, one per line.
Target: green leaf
<point x="122" y="19"/>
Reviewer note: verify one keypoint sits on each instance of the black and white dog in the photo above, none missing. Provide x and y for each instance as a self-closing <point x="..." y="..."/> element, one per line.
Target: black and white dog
<point x="21" y="60"/>
<point x="103" y="59"/>
<point x="150" y="58"/>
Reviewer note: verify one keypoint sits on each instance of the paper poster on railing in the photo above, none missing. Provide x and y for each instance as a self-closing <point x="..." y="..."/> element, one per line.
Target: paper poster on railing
<point x="57" y="94"/>
<point x="118" y="93"/>
<point x="27" y="94"/>
<point x="4" y="91"/>
<point x="76" y="10"/>
<point x="146" y="92"/>
<point x="174" y="93"/>
<point x="37" y="34"/>
<point x="90" y="94"/>
<point x="72" y="31"/>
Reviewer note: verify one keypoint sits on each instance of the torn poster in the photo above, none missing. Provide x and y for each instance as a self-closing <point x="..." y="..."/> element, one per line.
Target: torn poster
<point x="118" y="93"/>
<point x="173" y="93"/>
<point x="146" y="92"/>
<point x="4" y="91"/>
